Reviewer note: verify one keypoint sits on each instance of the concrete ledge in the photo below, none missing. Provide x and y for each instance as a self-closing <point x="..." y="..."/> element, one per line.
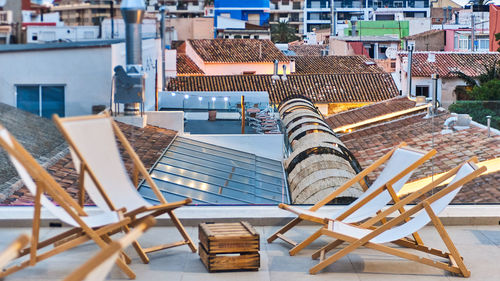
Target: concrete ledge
<point x="21" y="216"/>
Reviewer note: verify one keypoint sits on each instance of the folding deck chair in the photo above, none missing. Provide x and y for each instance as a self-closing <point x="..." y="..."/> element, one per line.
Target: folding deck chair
<point x="395" y="230"/>
<point x="85" y="227"/>
<point x="98" y="267"/>
<point x="95" y="154"/>
<point x="12" y="251"/>
<point x="400" y="163"/>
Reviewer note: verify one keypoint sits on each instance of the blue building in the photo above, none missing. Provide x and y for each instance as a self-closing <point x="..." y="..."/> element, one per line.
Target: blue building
<point x="253" y="11"/>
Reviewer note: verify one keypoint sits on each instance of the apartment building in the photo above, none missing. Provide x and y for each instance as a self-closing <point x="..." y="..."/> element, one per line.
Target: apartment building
<point x="86" y="13"/>
<point x="317" y="13"/>
<point x="187" y="8"/>
<point x="289" y="11"/>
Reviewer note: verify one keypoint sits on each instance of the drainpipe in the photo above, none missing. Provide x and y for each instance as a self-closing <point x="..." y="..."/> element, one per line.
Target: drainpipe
<point x="410" y="59"/>
<point x="435" y="78"/>
<point x="162" y="36"/>
<point x="472" y="31"/>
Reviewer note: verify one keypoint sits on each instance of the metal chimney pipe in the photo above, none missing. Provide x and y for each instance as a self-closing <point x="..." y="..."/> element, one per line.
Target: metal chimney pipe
<point x="133" y="14"/>
<point x="284" y="73"/>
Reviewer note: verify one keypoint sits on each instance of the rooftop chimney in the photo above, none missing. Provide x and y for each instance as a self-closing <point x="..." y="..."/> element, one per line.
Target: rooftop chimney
<point x="133" y="13"/>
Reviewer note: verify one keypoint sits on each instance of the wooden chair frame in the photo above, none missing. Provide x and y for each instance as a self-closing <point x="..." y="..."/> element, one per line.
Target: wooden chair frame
<point x="456" y="264"/>
<point x="116" y="246"/>
<point x="12" y="251"/>
<point x="68" y="239"/>
<point x="139" y="170"/>
<point x="359" y="178"/>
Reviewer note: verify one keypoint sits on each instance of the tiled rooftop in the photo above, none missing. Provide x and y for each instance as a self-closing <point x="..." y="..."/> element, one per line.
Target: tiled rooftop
<point x="370" y="111"/>
<point x="186" y="66"/>
<point x="472" y="64"/>
<point x="335" y="65"/>
<point x="39" y="136"/>
<point x="148" y="142"/>
<point x="237" y="50"/>
<point x="326" y="88"/>
<point x="370" y="143"/>
<point x="307" y="50"/>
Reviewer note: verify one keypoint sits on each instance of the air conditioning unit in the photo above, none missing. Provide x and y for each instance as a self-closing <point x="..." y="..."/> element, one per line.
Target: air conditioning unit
<point x="5" y="17"/>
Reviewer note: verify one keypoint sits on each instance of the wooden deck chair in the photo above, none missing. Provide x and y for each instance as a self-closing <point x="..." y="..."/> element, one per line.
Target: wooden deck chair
<point x="399" y="163"/>
<point x="12" y="251"/>
<point x="95" y="153"/>
<point x="42" y="185"/>
<point x="397" y="229"/>
<point x="98" y="267"/>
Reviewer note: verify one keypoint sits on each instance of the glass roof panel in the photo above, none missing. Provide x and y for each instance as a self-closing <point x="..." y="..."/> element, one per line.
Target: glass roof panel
<point x="212" y="175"/>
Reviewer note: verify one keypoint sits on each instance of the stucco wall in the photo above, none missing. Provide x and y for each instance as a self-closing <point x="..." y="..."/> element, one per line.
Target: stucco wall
<point x="85" y="73"/>
<point x="193" y="28"/>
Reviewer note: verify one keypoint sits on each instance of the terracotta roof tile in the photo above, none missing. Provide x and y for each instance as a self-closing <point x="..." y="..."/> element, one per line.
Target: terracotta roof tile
<point x="237" y="50"/>
<point x="186" y="66"/>
<point x="324" y="88"/>
<point x="335" y="64"/>
<point x="472" y="64"/>
<point x="148" y="142"/>
<point x="370" y="143"/>
<point x="307" y="50"/>
<point x="369" y="111"/>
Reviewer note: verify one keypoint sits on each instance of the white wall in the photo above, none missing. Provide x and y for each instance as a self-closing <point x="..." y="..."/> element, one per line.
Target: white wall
<point x="42" y="34"/>
<point x="418" y="25"/>
<point x="85" y="73"/>
<point x="151" y="52"/>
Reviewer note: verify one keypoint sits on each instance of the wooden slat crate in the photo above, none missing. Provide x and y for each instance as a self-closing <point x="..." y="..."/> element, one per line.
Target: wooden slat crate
<point x="229" y="246"/>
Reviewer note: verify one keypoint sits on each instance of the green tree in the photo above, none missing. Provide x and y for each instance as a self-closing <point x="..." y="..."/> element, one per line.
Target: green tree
<point x="497" y="37"/>
<point x="489" y="90"/>
<point x="283" y="33"/>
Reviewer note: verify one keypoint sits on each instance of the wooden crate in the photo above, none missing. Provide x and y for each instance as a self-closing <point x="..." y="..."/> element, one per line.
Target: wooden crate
<point x="229" y="246"/>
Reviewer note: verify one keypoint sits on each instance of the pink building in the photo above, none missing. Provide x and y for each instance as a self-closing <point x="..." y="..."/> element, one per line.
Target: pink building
<point x="460" y="40"/>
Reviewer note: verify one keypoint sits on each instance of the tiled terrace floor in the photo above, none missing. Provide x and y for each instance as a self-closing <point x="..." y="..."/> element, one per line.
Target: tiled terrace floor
<point x="479" y="245"/>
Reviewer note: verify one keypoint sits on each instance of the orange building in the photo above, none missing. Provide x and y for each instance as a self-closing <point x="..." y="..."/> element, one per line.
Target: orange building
<point x="494" y="27"/>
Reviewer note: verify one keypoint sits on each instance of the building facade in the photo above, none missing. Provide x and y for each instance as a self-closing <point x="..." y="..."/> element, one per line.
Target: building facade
<point x="254" y="12"/>
<point x="317" y="13"/>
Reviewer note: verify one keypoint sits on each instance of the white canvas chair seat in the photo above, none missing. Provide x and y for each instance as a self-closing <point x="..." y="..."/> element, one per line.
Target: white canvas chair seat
<point x="98" y="220"/>
<point x="397" y="229"/>
<point x="40" y="184"/>
<point x="96" y="157"/>
<point x="400" y="164"/>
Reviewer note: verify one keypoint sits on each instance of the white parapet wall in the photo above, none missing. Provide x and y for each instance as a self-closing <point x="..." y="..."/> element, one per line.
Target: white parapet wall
<point x="172" y="120"/>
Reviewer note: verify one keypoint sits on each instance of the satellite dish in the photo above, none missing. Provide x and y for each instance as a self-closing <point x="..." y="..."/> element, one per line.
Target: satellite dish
<point x="391" y="52"/>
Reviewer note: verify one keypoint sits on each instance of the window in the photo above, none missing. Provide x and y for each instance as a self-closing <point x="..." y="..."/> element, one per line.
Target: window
<point x="296" y="5"/>
<point x="463" y="42"/>
<point x="41" y="100"/>
<point x="256" y="37"/>
<point x="398" y="4"/>
<point x="422" y="91"/>
<point x="484" y="43"/>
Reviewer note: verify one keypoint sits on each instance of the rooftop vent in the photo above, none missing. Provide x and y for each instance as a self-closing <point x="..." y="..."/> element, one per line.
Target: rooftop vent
<point x="431" y="57"/>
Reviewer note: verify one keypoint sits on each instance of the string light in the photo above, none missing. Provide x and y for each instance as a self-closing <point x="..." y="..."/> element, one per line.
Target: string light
<point x="213" y="98"/>
<point x="225" y="98"/>
<point x="200" y="98"/>
<point x="173" y="94"/>
<point x="186" y="96"/>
